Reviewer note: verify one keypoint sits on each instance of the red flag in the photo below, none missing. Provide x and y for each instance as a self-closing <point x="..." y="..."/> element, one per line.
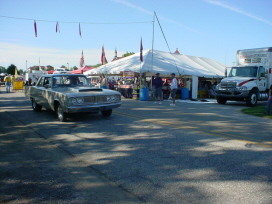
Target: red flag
<point x="141" y="51"/>
<point x="103" y="57"/>
<point x="79" y="30"/>
<point x="57" y="27"/>
<point x="81" y="63"/>
<point x="35" y="28"/>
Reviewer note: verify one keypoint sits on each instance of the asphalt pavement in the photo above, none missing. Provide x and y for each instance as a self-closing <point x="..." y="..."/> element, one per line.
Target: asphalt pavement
<point x="195" y="152"/>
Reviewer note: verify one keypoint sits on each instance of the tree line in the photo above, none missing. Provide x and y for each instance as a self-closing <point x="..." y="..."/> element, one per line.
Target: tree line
<point x="11" y="68"/>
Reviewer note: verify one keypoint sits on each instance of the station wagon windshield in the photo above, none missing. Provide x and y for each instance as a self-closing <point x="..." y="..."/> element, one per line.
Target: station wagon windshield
<point x="70" y="81"/>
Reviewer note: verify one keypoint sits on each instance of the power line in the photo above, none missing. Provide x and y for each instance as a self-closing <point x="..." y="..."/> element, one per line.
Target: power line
<point x="29" y="19"/>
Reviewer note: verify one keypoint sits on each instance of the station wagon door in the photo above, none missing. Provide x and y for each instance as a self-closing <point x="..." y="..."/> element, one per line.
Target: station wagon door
<point x="41" y="92"/>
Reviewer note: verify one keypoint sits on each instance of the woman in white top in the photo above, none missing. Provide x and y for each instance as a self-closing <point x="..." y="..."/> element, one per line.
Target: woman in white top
<point x="173" y="87"/>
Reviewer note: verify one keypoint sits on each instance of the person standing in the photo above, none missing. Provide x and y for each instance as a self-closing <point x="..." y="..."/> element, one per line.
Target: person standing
<point x="269" y="102"/>
<point x="7" y="81"/>
<point x="158" y="88"/>
<point x="103" y="82"/>
<point x="30" y="81"/>
<point x="188" y="86"/>
<point x="173" y="87"/>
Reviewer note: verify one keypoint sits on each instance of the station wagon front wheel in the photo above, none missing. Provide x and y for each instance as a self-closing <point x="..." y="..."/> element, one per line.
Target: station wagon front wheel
<point x="35" y="106"/>
<point x="106" y="113"/>
<point x="62" y="116"/>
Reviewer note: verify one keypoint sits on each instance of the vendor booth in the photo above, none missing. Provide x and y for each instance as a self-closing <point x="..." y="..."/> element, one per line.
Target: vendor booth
<point x="82" y="70"/>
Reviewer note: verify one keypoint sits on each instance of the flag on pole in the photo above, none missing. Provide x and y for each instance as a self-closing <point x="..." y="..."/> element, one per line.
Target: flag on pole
<point x="115" y="57"/>
<point x="57" y="27"/>
<point x="103" y="57"/>
<point x="141" y="51"/>
<point x="81" y="63"/>
<point x="35" y="28"/>
<point x="79" y="30"/>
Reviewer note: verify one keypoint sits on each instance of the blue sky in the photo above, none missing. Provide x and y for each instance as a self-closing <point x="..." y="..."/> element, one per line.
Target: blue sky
<point x="214" y="29"/>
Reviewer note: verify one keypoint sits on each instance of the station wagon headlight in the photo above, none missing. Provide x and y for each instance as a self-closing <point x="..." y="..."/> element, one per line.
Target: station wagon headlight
<point x="77" y="101"/>
<point x="80" y="100"/>
<point x="109" y="98"/>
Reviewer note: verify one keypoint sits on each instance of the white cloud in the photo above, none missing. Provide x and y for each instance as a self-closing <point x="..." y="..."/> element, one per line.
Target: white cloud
<point x="19" y="54"/>
<point x="151" y="13"/>
<point x="225" y="5"/>
<point x="134" y="6"/>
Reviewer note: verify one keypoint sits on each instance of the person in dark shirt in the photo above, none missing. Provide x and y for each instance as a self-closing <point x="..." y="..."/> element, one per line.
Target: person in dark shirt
<point x="269" y="102"/>
<point x="158" y="88"/>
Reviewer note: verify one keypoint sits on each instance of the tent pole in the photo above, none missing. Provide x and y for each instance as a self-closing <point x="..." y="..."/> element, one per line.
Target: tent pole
<point x="152" y="50"/>
<point x="140" y="75"/>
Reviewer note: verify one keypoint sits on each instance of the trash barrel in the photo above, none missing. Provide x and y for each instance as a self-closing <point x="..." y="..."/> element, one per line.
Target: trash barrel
<point x="144" y="94"/>
<point x="135" y="93"/>
<point x="184" y="93"/>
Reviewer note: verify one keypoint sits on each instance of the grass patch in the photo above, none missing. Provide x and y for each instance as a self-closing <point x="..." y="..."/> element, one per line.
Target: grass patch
<point x="257" y="111"/>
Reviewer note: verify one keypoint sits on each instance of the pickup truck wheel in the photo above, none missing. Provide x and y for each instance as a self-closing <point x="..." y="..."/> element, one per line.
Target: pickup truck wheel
<point x="106" y="113"/>
<point x="62" y="116"/>
<point x="251" y="99"/>
<point x="35" y="106"/>
<point x="221" y="100"/>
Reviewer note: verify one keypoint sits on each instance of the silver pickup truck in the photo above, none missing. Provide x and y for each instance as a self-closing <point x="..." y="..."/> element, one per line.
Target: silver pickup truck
<point x="71" y="93"/>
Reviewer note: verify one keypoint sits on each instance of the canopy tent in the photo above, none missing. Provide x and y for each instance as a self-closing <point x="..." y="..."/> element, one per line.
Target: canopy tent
<point x="82" y="70"/>
<point x="165" y="63"/>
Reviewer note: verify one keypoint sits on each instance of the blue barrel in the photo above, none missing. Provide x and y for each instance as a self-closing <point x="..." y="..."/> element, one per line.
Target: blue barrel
<point x="144" y="94"/>
<point x="184" y="93"/>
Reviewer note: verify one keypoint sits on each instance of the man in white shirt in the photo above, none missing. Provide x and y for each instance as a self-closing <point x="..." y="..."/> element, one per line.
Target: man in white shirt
<point x="173" y="87"/>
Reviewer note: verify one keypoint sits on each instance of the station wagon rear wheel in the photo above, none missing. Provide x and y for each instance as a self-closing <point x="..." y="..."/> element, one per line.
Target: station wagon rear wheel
<point x="62" y="116"/>
<point x="35" y="106"/>
<point x="106" y="113"/>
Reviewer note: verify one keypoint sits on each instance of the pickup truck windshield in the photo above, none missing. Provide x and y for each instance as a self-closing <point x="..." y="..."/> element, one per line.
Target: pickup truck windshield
<point x="249" y="71"/>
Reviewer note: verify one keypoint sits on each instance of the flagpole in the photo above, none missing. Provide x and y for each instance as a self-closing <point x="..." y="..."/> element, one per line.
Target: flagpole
<point x="141" y="60"/>
<point x="140" y="75"/>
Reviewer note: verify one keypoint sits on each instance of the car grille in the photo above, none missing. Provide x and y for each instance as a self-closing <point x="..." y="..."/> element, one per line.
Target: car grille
<point x="96" y="99"/>
<point x="228" y="84"/>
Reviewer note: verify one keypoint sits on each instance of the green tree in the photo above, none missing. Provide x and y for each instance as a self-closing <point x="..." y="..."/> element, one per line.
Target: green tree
<point x="20" y="72"/>
<point x="3" y="69"/>
<point x="11" y="69"/>
<point x="97" y="65"/>
<point x="63" y="66"/>
<point x="36" y="68"/>
<point x="49" y="68"/>
<point x="128" y="54"/>
<point x="75" y="68"/>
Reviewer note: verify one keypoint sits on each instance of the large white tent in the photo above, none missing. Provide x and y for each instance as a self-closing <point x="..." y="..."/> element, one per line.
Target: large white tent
<point x="165" y="63"/>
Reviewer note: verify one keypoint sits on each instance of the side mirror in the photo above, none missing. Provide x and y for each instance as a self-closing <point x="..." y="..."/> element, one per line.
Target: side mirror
<point x="262" y="75"/>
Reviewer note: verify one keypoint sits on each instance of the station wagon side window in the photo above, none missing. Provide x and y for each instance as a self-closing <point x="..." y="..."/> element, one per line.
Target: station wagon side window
<point x="40" y="82"/>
